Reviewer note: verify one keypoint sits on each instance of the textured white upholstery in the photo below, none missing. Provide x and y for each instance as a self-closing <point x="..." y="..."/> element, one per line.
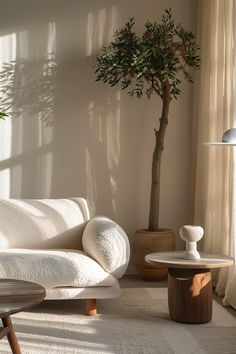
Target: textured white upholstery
<point x="53" y="268"/>
<point x="41" y="241"/>
<point x="45" y="223"/>
<point x="107" y="243"/>
<point x="95" y="292"/>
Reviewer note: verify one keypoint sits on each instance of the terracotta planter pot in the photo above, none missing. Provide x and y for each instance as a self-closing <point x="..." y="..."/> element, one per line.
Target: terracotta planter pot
<point x="150" y="242"/>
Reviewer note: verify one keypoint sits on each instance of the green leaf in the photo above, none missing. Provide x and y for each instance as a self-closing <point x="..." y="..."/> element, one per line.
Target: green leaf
<point x="3" y="115"/>
<point x="161" y="54"/>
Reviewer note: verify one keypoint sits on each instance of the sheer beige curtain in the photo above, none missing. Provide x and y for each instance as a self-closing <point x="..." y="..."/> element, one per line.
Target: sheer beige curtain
<point x="214" y="108"/>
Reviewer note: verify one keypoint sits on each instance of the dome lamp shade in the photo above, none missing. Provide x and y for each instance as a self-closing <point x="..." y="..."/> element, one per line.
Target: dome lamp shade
<point x="229" y="136"/>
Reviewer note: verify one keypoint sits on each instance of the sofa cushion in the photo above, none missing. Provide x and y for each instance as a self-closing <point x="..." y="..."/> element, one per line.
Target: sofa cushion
<point x="42" y="223"/>
<point x="107" y="243"/>
<point x="53" y="268"/>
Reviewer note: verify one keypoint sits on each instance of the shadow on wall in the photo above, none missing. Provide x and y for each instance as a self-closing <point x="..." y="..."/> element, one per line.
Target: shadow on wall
<point x="28" y="87"/>
<point x="64" y="136"/>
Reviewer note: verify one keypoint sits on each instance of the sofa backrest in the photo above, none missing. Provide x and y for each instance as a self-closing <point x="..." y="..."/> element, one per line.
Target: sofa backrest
<point x="42" y="223"/>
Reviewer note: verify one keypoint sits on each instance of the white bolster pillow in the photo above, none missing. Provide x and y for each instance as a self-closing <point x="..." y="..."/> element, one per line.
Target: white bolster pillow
<point x="108" y="244"/>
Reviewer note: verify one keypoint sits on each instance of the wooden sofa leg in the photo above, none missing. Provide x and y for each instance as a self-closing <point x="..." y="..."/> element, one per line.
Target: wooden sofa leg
<point x="91" y="307"/>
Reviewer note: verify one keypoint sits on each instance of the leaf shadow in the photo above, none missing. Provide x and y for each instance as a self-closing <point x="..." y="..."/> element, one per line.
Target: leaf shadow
<point x="28" y="86"/>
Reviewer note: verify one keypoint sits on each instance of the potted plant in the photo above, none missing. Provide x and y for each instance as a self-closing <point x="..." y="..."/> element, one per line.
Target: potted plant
<point x="146" y="65"/>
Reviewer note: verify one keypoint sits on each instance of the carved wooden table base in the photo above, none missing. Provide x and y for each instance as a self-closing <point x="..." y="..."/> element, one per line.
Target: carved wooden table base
<point x="189" y="284"/>
<point x="190" y="295"/>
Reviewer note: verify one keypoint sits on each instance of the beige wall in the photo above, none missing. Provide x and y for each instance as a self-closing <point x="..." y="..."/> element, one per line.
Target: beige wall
<point x="71" y="136"/>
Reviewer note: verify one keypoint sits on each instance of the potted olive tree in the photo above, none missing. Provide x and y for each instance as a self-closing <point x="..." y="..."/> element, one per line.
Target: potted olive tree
<point x="154" y="63"/>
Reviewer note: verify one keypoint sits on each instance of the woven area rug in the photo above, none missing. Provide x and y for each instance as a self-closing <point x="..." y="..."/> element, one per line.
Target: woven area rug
<point x="137" y="322"/>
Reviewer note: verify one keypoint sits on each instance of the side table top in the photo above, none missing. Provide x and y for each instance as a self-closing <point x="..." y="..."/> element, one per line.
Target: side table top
<point x="19" y="295"/>
<point x="176" y="260"/>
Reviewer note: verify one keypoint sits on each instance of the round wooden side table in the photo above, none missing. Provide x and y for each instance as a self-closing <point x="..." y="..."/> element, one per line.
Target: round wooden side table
<point x="189" y="284"/>
<point x="16" y="296"/>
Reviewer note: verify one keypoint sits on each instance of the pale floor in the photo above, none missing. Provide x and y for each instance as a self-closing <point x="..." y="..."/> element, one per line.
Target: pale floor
<point x="133" y="281"/>
<point x="128" y="281"/>
<point x="136" y="322"/>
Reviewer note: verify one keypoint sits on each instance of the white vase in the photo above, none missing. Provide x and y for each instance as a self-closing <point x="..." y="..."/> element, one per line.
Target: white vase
<point x="191" y="234"/>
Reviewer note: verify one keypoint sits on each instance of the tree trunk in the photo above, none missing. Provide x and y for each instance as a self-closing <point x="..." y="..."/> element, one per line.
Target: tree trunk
<point x="156" y="160"/>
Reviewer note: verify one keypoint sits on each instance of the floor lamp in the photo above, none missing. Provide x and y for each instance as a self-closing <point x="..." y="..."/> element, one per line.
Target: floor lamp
<point x="228" y="139"/>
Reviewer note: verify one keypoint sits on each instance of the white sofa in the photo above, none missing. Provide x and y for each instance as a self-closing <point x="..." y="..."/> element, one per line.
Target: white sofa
<point x="54" y="243"/>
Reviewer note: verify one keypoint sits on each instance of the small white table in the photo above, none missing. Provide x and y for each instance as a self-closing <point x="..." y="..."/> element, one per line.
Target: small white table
<point x="189" y="284"/>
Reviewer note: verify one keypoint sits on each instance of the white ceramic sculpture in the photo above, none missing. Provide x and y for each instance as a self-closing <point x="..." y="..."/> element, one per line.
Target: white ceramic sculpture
<point x="191" y="234"/>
